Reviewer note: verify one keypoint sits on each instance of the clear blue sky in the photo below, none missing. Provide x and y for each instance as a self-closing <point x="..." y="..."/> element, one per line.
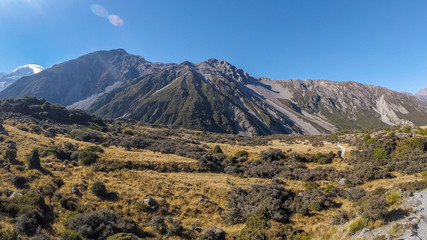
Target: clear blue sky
<point x="381" y="42"/>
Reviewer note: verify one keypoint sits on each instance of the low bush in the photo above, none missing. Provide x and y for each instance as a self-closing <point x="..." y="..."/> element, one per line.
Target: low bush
<point x="354" y="194"/>
<point x="392" y="198"/>
<point x="68" y="204"/>
<point x="27" y="223"/>
<point x="86" y="135"/>
<point x="71" y="235"/>
<point x="217" y="150"/>
<point x="242" y="203"/>
<point x="10" y="235"/>
<point x="373" y="206"/>
<point x="34" y="160"/>
<point x="123" y="236"/>
<point x="19" y="182"/>
<point x="30" y="201"/>
<point x="87" y="157"/>
<point x="256" y="226"/>
<point x="158" y="224"/>
<point x="311" y="200"/>
<point x="241" y="154"/>
<point x="212" y="233"/>
<point x="100" y="224"/>
<point x="99" y="190"/>
<point x="175" y="228"/>
<point x="340" y="218"/>
<point x="358" y="224"/>
<point x="10" y="155"/>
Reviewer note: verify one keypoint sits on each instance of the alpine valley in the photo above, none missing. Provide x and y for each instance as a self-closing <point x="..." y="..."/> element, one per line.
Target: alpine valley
<point x="215" y="96"/>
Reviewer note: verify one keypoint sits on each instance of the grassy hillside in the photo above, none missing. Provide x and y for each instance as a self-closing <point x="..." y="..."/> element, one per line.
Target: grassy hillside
<point x="178" y="184"/>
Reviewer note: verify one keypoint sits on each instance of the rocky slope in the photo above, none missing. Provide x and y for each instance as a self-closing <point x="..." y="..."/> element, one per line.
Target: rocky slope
<point x="215" y="96"/>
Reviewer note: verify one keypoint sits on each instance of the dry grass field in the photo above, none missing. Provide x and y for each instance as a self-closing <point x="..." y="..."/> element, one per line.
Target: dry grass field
<point x="179" y="192"/>
<point x="254" y="151"/>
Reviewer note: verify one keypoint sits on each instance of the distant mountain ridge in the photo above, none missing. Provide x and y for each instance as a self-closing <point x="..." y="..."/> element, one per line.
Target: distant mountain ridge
<point x="422" y="94"/>
<point x="23" y="71"/>
<point x="215" y="96"/>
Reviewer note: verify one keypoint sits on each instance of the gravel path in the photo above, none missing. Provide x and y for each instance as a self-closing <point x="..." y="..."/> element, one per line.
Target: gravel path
<point x="342" y="150"/>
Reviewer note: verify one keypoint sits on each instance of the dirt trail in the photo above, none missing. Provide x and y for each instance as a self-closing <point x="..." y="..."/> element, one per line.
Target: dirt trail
<point x="342" y="150"/>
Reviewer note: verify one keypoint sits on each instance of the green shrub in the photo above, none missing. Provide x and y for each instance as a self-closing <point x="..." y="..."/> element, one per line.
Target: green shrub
<point x="27" y="223"/>
<point x="314" y="206"/>
<point x="87" y="157"/>
<point x="256" y="226"/>
<point x="34" y="160"/>
<point x="380" y="153"/>
<point x="68" y="204"/>
<point x="86" y="135"/>
<point x="422" y="132"/>
<point x="71" y="235"/>
<point x="419" y="143"/>
<point x="10" y="155"/>
<point x="10" y="235"/>
<point x="29" y="201"/>
<point x="358" y="224"/>
<point x="242" y="203"/>
<point x="310" y="185"/>
<point x="392" y="198"/>
<point x="95" y="148"/>
<point x="122" y="236"/>
<point x="329" y="188"/>
<point x="158" y="224"/>
<point x="217" y="150"/>
<point x="99" y="190"/>
<point x="100" y="224"/>
<point x="143" y="207"/>
<point x="271" y="155"/>
<point x="373" y="206"/>
<point x="406" y="129"/>
<point x="242" y="154"/>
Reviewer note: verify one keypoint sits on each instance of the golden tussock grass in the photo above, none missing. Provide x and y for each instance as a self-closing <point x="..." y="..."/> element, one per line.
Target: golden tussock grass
<point x="389" y="183"/>
<point x="121" y="154"/>
<point x="254" y="151"/>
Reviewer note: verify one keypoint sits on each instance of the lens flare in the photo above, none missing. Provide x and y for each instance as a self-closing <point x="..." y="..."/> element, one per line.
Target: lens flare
<point x="115" y="20"/>
<point x="99" y="10"/>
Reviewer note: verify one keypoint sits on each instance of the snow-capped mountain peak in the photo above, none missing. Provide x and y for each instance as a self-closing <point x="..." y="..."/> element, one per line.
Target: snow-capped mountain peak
<point x="23" y="71"/>
<point x="32" y="67"/>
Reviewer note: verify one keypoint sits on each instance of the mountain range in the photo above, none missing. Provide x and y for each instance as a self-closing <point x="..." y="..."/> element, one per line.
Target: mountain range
<point x="215" y="96"/>
<point x="27" y="70"/>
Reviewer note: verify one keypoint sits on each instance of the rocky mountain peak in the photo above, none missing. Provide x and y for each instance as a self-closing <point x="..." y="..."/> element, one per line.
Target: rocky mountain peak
<point x="422" y="94"/>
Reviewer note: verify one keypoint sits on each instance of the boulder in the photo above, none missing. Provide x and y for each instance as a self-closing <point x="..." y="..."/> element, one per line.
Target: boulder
<point x="75" y="190"/>
<point x="213" y="233"/>
<point x="366" y="233"/>
<point x="343" y="181"/>
<point x="203" y="199"/>
<point x="150" y="202"/>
